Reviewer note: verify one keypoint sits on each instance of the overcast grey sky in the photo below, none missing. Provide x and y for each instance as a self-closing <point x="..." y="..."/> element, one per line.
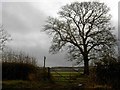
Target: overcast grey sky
<point x="25" y="20"/>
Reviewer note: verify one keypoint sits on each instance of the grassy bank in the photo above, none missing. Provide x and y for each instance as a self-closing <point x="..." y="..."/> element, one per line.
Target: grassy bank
<point x="17" y="84"/>
<point x="60" y="84"/>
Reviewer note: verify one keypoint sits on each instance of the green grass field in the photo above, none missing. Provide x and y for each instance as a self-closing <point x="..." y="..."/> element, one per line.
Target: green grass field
<point x="65" y="73"/>
<point x="65" y="76"/>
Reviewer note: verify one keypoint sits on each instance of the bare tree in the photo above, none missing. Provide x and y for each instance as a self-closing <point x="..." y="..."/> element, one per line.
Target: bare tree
<point x="84" y="28"/>
<point x="4" y="37"/>
<point x="18" y="57"/>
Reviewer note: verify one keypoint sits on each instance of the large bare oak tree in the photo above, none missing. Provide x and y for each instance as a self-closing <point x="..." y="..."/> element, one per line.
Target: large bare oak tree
<point x="84" y="28"/>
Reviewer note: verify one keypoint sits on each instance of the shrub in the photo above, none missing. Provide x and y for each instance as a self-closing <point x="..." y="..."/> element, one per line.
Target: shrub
<point x="109" y="74"/>
<point x="20" y="66"/>
<point x="23" y="71"/>
<point x="17" y="71"/>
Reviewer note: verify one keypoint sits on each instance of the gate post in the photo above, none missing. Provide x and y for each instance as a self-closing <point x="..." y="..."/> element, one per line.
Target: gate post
<point x="48" y="72"/>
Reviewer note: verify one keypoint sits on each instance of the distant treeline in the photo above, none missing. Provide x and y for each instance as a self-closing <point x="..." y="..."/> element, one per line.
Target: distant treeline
<point x="67" y="69"/>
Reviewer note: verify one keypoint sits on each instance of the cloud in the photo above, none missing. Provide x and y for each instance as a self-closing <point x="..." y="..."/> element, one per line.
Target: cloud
<point x="22" y="17"/>
<point x="24" y="22"/>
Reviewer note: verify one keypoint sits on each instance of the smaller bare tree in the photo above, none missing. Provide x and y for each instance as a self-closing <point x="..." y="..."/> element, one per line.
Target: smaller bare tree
<point x="4" y="37"/>
<point x="18" y="57"/>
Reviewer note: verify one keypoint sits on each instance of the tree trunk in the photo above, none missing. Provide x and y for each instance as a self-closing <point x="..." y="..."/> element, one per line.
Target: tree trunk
<point x="86" y="65"/>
